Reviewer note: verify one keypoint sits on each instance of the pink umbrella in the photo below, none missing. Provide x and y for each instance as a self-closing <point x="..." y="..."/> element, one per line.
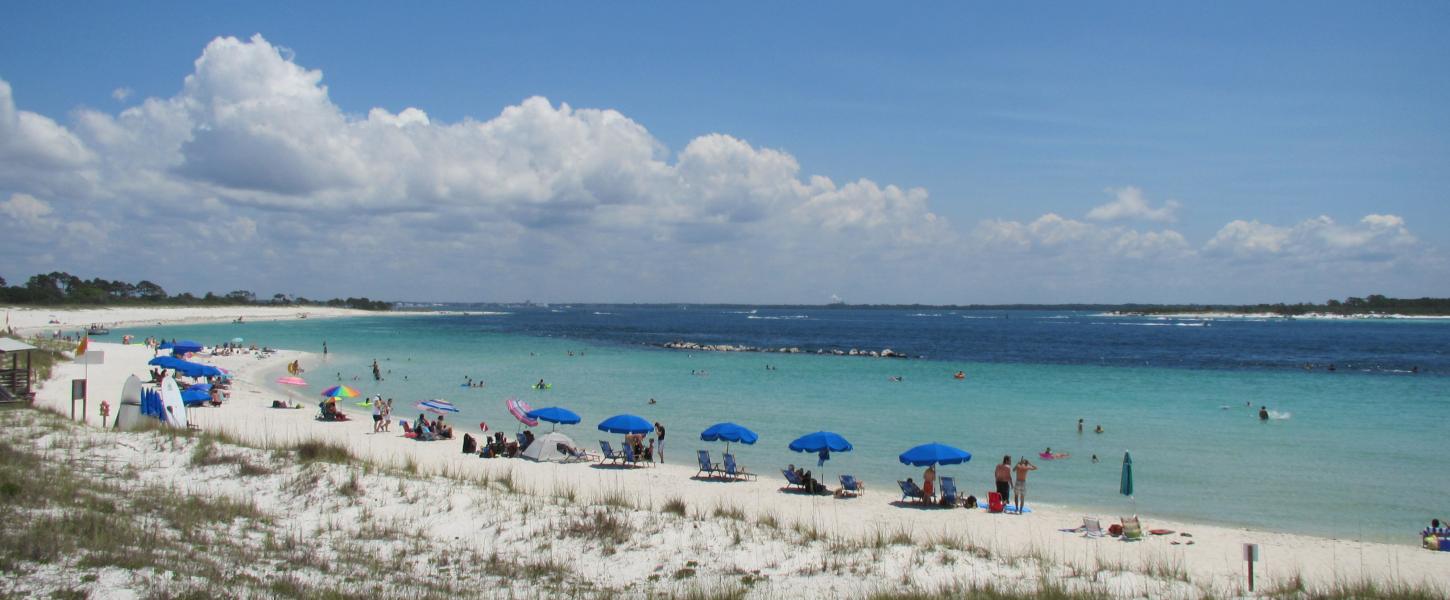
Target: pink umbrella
<point x="291" y="380"/>
<point x="520" y="409"/>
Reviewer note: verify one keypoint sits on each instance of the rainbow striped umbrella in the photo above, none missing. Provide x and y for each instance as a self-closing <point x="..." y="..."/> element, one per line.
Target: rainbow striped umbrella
<point x="340" y="391"/>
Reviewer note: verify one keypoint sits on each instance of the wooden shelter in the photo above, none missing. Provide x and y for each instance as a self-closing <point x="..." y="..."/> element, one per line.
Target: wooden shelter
<point x="15" y="379"/>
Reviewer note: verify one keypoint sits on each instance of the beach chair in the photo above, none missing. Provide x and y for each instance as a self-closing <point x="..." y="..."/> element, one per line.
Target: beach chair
<point x="630" y="457"/>
<point x="1092" y="527"/>
<point x="734" y="470"/>
<point x="1132" y="529"/>
<point x="792" y="480"/>
<point x="995" y="503"/>
<point x="850" y="487"/>
<point x="909" y="490"/>
<point x="581" y="455"/>
<point x="608" y="453"/>
<point x="949" y="491"/>
<point x="706" y="467"/>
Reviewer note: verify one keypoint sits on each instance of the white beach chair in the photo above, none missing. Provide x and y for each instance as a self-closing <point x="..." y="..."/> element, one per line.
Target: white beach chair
<point x="1092" y="527"/>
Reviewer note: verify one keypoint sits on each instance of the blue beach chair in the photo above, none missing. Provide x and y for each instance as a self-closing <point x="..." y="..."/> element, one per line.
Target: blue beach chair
<point x="910" y="490"/>
<point x="631" y="458"/>
<point x="706" y="467"/>
<point x="851" y="487"/>
<point x="734" y="470"/>
<point x="949" y="491"/>
<point x="792" y="480"/>
<point x="608" y="453"/>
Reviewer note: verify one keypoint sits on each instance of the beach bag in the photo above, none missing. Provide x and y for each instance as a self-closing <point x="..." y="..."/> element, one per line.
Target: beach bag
<point x="971" y="502"/>
<point x="1115" y="530"/>
<point x="469" y="445"/>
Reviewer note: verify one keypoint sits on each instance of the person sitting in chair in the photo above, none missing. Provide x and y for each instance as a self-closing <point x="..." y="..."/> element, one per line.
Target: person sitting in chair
<point x="442" y="430"/>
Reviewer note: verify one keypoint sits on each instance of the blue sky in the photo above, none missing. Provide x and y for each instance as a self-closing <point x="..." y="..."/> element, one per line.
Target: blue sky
<point x="1270" y="114"/>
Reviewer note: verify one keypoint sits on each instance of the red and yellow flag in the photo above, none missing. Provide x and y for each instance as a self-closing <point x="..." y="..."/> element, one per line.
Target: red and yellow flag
<point x="81" y="349"/>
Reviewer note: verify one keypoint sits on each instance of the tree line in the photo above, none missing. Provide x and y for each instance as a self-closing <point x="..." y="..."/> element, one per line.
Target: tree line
<point x="60" y="288"/>
<point x="1372" y="304"/>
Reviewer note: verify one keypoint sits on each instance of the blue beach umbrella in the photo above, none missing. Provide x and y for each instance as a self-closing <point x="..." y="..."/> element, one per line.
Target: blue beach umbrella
<point x="1125" y="486"/>
<point x="934" y="454"/>
<point x="823" y="442"/>
<point x="166" y="362"/>
<point x="625" y="424"/>
<point x="728" y="432"/>
<point x="184" y="346"/>
<point x="554" y="414"/>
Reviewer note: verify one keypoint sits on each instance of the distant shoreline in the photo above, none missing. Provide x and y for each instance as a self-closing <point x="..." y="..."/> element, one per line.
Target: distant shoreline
<point x="1271" y="315"/>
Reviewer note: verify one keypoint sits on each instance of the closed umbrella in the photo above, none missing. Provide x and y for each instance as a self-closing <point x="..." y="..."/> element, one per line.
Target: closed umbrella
<point x="1125" y="486"/>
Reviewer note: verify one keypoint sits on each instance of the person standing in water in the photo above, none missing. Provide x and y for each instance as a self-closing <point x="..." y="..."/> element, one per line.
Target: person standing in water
<point x="1020" y="489"/>
<point x="1079" y="425"/>
<point x="1263" y="413"/>
<point x="324" y="347"/>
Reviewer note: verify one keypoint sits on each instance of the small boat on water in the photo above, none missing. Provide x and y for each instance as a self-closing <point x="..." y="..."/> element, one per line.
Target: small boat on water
<point x="97" y="330"/>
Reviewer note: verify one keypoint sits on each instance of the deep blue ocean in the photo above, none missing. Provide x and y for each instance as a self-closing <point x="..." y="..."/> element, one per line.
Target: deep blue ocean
<point x="1353" y="452"/>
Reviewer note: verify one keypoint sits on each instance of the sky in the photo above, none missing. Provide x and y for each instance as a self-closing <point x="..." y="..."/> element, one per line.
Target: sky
<point x="943" y="153"/>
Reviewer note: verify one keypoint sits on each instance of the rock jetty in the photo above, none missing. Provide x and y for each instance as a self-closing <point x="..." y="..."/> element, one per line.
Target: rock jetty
<point x="698" y="347"/>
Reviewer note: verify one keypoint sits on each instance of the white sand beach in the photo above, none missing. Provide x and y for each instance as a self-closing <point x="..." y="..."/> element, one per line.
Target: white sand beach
<point x="992" y="547"/>
<point x="29" y="320"/>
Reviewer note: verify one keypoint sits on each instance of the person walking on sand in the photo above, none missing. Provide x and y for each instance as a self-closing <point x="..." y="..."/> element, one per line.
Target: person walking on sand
<point x="1020" y="489"/>
<point x="659" y="442"/>
<point x="1003" y="475"/>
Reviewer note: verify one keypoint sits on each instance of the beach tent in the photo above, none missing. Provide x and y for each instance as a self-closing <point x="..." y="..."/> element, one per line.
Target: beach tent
<point x="546" y="447"/>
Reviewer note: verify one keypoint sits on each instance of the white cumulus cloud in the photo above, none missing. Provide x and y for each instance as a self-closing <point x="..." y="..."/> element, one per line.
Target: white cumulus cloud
<point x="1129" y="204"/>
<point x="252" y="172"/>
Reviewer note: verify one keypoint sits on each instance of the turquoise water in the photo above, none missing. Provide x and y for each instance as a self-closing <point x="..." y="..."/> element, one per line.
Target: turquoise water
<point x="1358" y="456"/>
